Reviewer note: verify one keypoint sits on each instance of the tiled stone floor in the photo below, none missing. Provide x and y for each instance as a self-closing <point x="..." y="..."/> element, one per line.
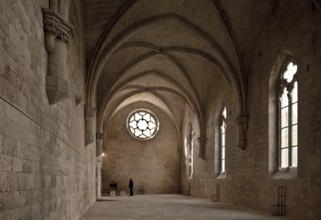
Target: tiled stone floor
<point x="168" y="207"/>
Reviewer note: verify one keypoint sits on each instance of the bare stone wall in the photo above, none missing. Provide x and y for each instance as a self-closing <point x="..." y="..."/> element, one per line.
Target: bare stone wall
<point x="296" y="28"/>
<point x="46" y="172"/>
<point x="154" y="162"/>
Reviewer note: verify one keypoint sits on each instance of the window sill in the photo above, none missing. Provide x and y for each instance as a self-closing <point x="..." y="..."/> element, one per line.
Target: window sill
<point x="221" y="175"/>
<point x="286" y="173"/>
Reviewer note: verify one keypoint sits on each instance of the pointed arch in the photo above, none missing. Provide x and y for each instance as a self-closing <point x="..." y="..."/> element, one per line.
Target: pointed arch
<point x="278" y="67"/>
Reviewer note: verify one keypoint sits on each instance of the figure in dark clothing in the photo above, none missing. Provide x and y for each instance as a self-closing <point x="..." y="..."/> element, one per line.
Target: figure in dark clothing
<point x="131" y="185"/>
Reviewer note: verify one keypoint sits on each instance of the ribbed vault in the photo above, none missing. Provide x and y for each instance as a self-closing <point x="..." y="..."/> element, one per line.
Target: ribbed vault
<point x="169" y="53"/>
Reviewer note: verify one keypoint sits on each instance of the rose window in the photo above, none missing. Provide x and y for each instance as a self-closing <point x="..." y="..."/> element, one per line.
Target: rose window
<point x="142" y="124"/>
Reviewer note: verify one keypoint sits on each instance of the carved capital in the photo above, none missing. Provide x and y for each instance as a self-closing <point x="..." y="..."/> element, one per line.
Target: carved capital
<point x="55" y="25"/>
<point x="57" y="34"/>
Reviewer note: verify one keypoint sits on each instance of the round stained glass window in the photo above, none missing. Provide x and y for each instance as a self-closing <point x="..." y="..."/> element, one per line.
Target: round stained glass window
<point x="142" y="124"/>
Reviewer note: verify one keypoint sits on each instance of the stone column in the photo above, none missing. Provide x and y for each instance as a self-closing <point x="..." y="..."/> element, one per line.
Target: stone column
<point x="57" y="35"/>
<point x="242" y="123"/>
<point x="89" y="124"/>
<point x="99" y="145"/>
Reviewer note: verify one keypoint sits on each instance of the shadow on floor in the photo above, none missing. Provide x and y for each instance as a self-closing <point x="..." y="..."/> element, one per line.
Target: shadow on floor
<point x="106" y="199"/>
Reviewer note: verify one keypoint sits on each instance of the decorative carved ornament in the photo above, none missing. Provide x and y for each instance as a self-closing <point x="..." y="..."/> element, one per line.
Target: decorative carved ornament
<point x="54" y="24"/>
<point x="57" y="35"/>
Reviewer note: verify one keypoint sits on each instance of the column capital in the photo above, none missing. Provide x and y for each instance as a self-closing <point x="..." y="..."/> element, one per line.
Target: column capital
<point x="55" y="25"/>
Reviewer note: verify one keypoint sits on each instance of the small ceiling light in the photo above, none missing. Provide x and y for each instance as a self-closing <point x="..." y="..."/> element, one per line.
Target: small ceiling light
<point x="103" y="154"/>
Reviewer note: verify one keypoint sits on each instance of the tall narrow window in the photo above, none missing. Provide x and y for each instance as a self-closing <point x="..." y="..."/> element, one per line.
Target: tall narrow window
<point x="190" y="154"/>
<point x="288" y="111"/>
<point x="222" y="140"/>
<point x="188" y="149"/>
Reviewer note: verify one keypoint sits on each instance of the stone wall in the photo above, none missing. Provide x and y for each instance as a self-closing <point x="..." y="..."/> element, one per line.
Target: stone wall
<point x="248" y="181"/>
<point x="206" y="171"/>
<point x="154" y="162"/>
<point x="46" y="171"/>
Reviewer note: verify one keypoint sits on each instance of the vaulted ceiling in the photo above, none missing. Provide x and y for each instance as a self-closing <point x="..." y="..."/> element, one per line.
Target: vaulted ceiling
<point x="169" y="52"/>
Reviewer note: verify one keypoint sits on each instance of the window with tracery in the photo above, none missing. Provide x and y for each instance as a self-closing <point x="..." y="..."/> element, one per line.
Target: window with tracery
<point x="142" y="124"/>
<point x="222" y="141"/>
<point x="288" y="114"/>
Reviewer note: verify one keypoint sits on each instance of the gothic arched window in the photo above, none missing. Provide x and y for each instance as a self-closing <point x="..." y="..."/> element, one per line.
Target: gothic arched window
<point x="222" y="141"/>
<point x="288" y="118"/>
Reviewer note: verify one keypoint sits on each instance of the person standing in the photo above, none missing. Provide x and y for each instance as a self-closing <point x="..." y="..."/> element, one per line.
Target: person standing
<point x="131" y="185"/>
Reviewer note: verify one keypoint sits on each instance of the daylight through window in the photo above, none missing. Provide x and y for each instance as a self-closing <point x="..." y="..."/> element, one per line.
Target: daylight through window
<point x="189" y="156"/>
<point x="222" y="140"/>
<point x="142" y="124"/>
<point x="288" y="118"/>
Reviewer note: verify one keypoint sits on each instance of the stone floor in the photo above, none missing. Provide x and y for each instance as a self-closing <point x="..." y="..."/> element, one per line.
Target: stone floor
<point x="169" y="207"/>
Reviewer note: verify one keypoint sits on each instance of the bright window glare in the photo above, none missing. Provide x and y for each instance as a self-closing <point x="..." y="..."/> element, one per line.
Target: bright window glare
<point x="291" y="70"/>
<point x="142" y="124"/>
<point x="288" y="112"/>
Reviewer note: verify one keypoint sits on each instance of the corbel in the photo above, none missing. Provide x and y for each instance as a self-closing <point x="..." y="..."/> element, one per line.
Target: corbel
<point x="58" y="33"/>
